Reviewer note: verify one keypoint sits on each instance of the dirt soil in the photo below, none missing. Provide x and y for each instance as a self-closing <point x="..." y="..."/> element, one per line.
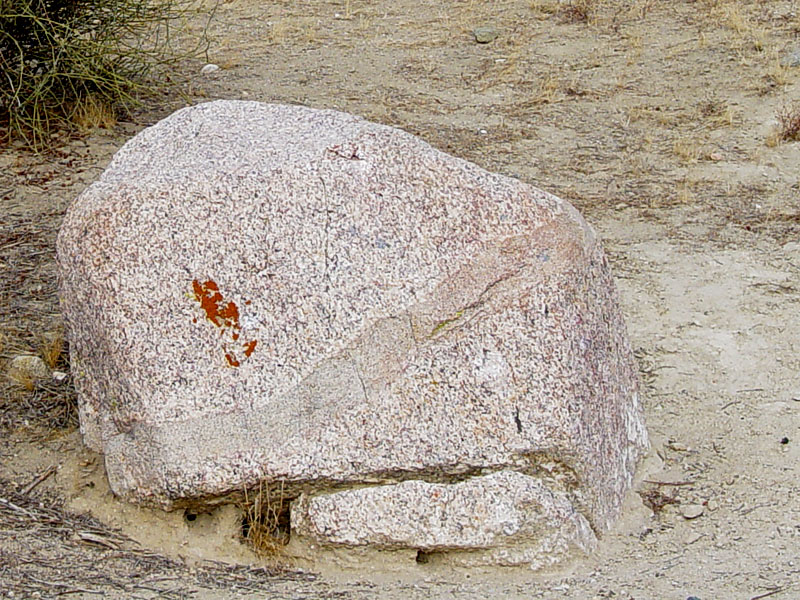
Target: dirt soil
<point x="658" y="120"/>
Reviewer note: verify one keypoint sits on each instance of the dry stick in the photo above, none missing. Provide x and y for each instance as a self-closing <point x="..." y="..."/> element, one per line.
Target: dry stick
<point x="677" y="483"/>
<point x="769" y="593"/>
<point x="15" y="507"/>
<point x="47" y="472"/>
<point x="68" y="589"/>
<point x="747" y="511"/>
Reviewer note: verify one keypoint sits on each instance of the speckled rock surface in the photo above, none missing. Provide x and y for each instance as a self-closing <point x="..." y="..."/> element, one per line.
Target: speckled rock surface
<point x="513" y="518"/>
<point x="264" y="292"/>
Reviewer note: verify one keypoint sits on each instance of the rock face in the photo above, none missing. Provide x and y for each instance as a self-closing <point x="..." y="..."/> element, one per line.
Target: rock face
<point x="273" y="293"/>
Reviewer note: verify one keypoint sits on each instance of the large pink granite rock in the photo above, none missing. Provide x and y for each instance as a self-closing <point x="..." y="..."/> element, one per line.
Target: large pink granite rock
<point x="272" y="293"/>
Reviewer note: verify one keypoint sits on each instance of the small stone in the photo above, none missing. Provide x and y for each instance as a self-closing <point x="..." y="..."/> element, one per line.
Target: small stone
<point x="209" y="69"/>
<point x="59" y="376"/>
<point x="677" y="446"/>
<point x="28" y="366"/>
<point x="692" y="511"/>
<point x="484" y="35"/>
<point x="792" y="58"/>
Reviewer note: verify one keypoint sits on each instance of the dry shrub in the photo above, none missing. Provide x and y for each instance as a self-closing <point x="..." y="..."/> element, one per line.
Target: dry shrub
<point x="578" y="11"/>
<point x="75" y="62"/>
<point x="656" y="500"/>
<point x="789" y="123"/>
<point x="570" y="11"/>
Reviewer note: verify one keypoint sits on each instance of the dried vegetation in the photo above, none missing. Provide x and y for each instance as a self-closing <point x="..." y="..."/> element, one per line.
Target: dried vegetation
<point x="47" y="551"/>
<point x="76" y="63"/>
<point x="265" y="520"/>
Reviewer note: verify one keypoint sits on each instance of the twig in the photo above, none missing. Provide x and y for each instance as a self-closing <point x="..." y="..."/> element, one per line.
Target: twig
<point x="676" y="483"/>
<point x="47" y="472"/>
<point x="68" y="589"/>
<point x="15" y="507"/>
<point x="100" y="540"/>
<point x="769" y="593"/>
<point x="747" y="511"/>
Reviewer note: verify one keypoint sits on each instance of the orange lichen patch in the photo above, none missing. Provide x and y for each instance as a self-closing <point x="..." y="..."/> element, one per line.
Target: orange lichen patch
<point x="249" y="347"/>
<point x="224" y="315"/>
<point x="211" y="301"/>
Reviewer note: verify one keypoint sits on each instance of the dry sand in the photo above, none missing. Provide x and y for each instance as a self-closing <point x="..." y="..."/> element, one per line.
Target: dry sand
<point x="655" y="119"/>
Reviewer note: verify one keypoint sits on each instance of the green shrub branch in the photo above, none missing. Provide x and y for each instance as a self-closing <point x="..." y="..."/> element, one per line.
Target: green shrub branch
<point x="54" y="54"/>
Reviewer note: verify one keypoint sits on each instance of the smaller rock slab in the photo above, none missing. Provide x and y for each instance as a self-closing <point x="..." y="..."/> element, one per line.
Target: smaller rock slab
<point x="499" y="511"/>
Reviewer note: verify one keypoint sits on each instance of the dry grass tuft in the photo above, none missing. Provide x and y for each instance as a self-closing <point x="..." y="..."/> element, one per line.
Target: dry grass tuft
<point x="685" y="193"/>
<point x="295" y="30"/>
<point x="734" y="16"/>
<point x="52" y="350"/>
<point x="265" y="520"/>
<point x="715" y="113"/>
<point x="687" y="149"/>
<point x="92" y="112"/>
<point x="777" y="74"/>
<point x="22" y="379"/>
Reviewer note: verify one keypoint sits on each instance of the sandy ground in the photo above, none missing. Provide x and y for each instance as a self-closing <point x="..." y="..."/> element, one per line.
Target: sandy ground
<point x="655" y="119"/>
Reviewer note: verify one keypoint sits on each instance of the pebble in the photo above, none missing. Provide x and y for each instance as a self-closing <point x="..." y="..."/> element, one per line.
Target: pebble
<point x="792" y="58"/>
<point x="29" y="366"/>
<point x="59" y="376"/>
<point x="692" y="511"/>
<point x="484" y="35"/>
<point x="209" y="69"/>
